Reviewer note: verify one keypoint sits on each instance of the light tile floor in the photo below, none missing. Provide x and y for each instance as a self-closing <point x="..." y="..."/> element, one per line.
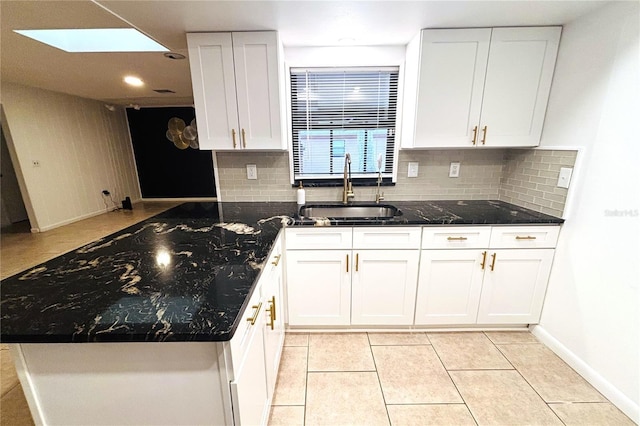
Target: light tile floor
<point x="466" y="378"/>
<point x="20" y="250"/>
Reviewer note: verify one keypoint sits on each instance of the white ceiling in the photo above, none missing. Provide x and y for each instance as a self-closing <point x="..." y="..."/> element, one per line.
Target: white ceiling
<point x="300" y="23"/>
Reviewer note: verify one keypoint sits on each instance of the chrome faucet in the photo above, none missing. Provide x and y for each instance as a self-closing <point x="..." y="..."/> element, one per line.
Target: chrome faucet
<point x="347" y="187"/>
<point x="379" y="197"/>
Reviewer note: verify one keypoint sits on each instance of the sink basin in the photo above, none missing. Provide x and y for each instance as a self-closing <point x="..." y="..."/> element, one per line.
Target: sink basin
<point x="356" y="211"/>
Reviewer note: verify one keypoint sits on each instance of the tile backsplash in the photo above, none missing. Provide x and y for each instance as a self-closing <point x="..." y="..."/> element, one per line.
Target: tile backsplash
<point x="530" y="176"/>
<point x="523" y="177"/>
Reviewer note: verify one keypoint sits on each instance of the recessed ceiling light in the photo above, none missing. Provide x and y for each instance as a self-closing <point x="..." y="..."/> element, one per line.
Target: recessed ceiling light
<point x="133" y="81"/>
<point x="173" y="55"/>
<point x="96" y="40"/>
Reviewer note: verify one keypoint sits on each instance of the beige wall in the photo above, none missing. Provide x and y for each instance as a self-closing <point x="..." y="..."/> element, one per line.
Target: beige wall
<point x="82" y="148"/>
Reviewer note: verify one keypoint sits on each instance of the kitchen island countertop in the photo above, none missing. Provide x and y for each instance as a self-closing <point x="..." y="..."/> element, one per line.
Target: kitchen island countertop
<point x="185" y="274"/>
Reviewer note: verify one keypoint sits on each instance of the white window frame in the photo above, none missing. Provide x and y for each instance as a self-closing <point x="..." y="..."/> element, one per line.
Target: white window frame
<point x="345" y="57"/>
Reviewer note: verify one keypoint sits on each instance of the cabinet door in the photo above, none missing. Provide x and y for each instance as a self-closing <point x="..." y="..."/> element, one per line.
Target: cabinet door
<point x="513" y="293"/>
<point x="274" y="310"/>
<point x="517" y="86"/>
<point x="452" y="73"/>
<point x="449" y="286"/>
<point x="258" y="89"/>
<point x="384" y="287"/>
<point x="319" y="287"/>
<point x="249" y="388"/>
<point x="214" y="89"/>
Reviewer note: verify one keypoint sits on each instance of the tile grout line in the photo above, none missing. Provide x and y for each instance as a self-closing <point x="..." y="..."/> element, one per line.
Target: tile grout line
<point x="306" y="381"/>
<point x="453" y="381"/>
<point x="527" y="382"/>
<point x="384" y="400"/>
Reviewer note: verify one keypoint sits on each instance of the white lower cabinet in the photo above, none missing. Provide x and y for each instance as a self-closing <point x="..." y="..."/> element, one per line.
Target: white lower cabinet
<point x="449" y="287"/>
<point x="319" y="287"/>
<point x="515" y="282"/>
<point x="383" y="288"/>
<point x="461" y="275"/>
<point x="249" y="388"/>
<point x="274" y="326"/>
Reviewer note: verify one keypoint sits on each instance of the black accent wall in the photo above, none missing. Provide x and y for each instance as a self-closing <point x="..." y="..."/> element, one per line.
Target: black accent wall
<point x="165" y="171"/>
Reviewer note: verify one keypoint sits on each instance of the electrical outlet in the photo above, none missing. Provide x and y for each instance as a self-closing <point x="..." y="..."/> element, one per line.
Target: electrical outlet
<point x="413" y="170"/>
<point x="35" y="163"/>
<point x="454" y="170"/>
<point x="252" y="172"/>
<point x="564" y="177"/>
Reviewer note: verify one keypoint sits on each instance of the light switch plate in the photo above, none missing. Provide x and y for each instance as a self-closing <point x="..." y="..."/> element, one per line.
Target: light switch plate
<point x="252" y="172"/>
<point x="565" y="177"/>
<point x="454" y="170"/>
<point x="413" y="170"/>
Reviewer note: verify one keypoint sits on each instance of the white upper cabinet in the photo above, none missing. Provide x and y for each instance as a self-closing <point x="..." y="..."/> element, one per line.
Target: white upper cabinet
<point x="238" y="90"/>
<point x="478" y="87"/>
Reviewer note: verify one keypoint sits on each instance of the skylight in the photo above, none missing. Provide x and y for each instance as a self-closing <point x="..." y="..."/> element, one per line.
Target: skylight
<point x="96" y="40"/>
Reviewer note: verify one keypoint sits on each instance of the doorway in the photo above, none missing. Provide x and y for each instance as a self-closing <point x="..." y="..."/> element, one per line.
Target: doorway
<point x="13" y="214"/>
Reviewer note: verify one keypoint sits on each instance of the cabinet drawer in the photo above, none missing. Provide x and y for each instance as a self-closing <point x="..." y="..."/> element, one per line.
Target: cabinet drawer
<point x="386" y="238"/>
<point x="455" y="237"/>
<point x="314" y="238"/>
<point x="524" y="236"/>
<point x="241" y="338"/>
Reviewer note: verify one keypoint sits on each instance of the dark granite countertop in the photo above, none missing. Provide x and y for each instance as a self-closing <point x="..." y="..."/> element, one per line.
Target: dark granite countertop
<point x="449" y="212"/>
<point x="185" y="274"/>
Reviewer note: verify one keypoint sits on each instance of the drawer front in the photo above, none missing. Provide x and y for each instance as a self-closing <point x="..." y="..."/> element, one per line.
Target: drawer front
<point x="241" y="339"/>
<point x="386" y="238"/>
<point x="458" y="237"/>
<point x="318" y="238"/>
<point x="524" y="236"/>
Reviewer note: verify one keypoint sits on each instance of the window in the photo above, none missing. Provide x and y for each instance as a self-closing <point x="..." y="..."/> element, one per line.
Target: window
<point x="340" y="111"/>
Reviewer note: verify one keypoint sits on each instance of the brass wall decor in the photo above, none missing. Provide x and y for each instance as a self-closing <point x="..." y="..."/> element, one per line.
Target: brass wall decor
<point x="181" y="135"/>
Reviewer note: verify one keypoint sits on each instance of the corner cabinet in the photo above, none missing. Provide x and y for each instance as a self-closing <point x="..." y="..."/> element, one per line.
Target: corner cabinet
<point x="238" y="90"/>
<point x="479" y="87"/>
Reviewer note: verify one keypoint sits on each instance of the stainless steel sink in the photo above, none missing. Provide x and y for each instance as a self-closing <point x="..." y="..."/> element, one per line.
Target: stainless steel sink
<point x="356" y="211"/>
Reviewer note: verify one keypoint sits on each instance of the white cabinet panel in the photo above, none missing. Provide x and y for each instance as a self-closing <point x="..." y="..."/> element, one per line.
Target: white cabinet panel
<point x="258" y="87"/>
<point x="384" y="287"/>
<point x="314" y="238"/>
<point x="319" y="287"/>
<point x="386" y="238"/>
<point x="214" y="93"/>
<point x="272" y="291"/>
<point x="452" y="73"/>
<point x="514" y="288"/>
<point x="449" y="286"/>
<point x="455" y="237"/>
<point x="517" y="86"/>
<point x="249" y="388"/>
<point x="524" y="236"/>
<point x="478" y="87"/>
<point x="237" y="89"/>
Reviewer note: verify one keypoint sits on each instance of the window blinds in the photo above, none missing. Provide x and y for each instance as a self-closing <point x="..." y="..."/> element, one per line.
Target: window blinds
<point x="340" y="111"/>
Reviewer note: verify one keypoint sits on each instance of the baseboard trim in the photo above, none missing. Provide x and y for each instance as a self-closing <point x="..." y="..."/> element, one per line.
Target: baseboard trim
<point x="68" y="221"/>
<point x="620" y="400"/>
<point x="184" y="200"/>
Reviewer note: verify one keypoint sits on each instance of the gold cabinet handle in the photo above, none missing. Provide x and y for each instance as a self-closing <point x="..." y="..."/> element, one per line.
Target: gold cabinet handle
<point x="484" y="134"/>
<point x="493" y="261"/>
<point x="528" y="237"/>
<point x="275" y="262"/>
<point x="456" y="238"/>
<point x="272" y="312"/>
<point x="244" y="139"/>
<point x="357" y="257"/>
<point x="233" y="137"/>
<point x="257" y="308"/>
<point x="347" y="263"/>
<point x="484" y="260"/>
<point x="475" y="135"/>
